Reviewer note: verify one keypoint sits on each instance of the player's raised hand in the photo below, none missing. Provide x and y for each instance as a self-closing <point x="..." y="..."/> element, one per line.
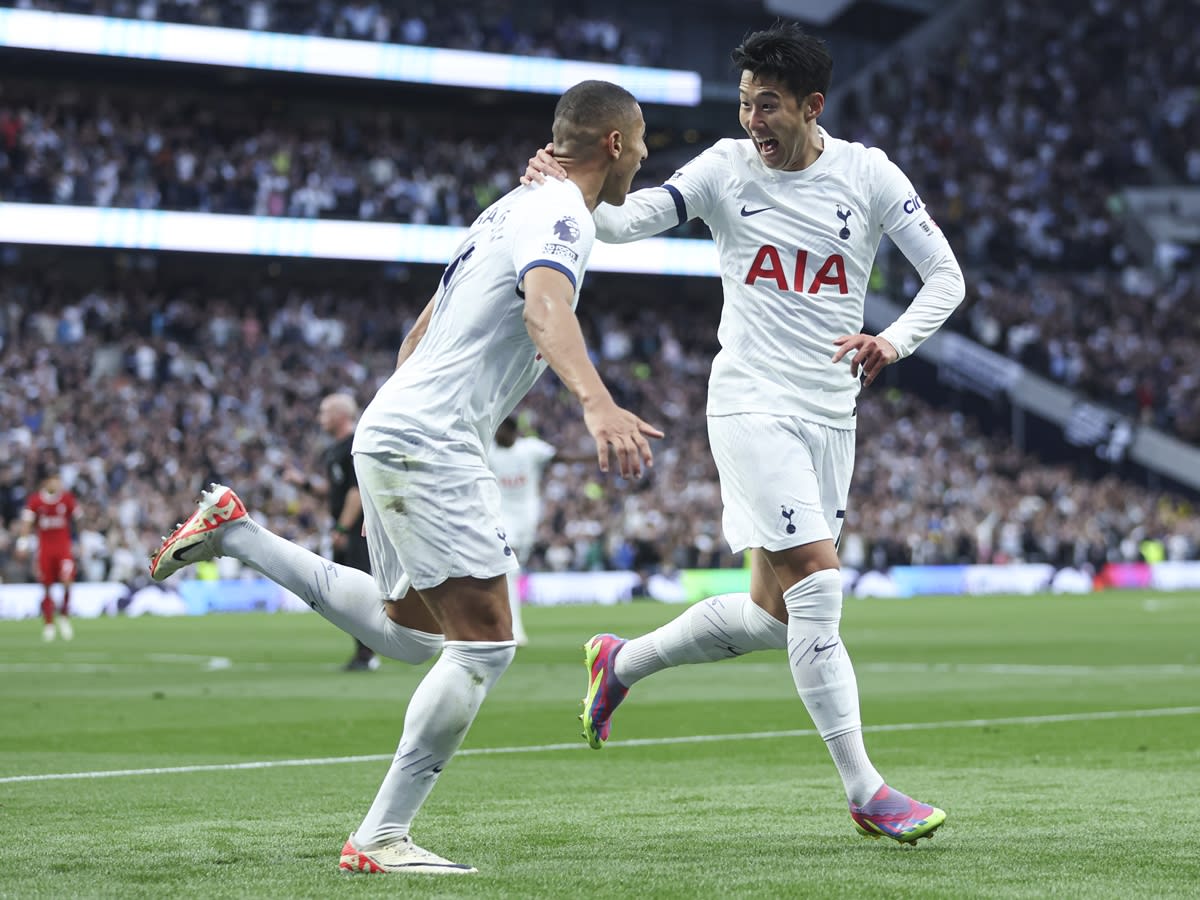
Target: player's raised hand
<point x="541" y="165"/>
<point x="871" y="354"/>
<point x="625" y="433"/>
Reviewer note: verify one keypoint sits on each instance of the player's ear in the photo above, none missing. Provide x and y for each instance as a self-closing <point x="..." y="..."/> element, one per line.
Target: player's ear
<point x="614" y="144"/>
<point x="813" y="105"/>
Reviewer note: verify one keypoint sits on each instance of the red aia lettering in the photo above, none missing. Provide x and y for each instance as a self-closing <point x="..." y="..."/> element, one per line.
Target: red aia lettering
<point x="768" y="264"/>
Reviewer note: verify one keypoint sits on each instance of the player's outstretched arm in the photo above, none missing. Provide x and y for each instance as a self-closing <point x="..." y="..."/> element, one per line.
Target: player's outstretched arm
<point x="644" y="213"/>
<point x="556" y="334"/>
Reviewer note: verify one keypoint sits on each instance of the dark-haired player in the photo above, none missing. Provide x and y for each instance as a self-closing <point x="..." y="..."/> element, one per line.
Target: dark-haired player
<point x="797" y="216"/>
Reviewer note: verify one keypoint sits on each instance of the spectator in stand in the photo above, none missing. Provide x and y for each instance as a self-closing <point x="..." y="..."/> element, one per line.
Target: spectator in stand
<point x="473" y="25"/>
<point x="952" y="491"/>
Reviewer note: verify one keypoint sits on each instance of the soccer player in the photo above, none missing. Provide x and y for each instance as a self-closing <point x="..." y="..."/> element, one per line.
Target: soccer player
<point x="52" y="511"/>
<point x="503" y="311"/>
<point x="518" y="463"/>
<point x="797" y="216"/>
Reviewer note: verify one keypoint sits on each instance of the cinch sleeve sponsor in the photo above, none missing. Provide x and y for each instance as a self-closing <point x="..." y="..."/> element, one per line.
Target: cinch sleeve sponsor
<point x="554" y="234"/>
<point x="903" y="217"/>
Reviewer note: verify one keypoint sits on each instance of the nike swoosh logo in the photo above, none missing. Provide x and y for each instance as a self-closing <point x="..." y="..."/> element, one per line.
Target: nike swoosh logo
<point x="178" y="555"/>
<point x="817" y="649"/>
<point x="754" y="212"/>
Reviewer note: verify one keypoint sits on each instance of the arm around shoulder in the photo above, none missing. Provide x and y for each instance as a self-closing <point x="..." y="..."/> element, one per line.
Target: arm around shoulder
<point x="644" y="214"/>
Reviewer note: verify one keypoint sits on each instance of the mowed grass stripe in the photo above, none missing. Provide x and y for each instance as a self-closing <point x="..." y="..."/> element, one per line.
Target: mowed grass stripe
<point x="636" y="742"/>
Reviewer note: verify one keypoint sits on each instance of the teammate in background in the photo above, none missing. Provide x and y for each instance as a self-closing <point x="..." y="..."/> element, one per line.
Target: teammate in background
<point x="504" y="310"/>
<point x="52" y="511"/>
<point x="337" y="416"/>
<point x="797" y="216"/>
<point x="518" y="463"/>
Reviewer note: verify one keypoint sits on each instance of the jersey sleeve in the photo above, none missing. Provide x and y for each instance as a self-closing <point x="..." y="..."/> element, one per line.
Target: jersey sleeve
<point x="688" y="194"/>
<point x="553" y="232"/>
<point x="902" y="215"/>
<point x="540" y="452"/>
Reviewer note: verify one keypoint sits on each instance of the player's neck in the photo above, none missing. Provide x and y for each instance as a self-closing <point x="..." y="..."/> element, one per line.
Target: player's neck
<point x="589" y="179"/>
<point x="810" y="151"/>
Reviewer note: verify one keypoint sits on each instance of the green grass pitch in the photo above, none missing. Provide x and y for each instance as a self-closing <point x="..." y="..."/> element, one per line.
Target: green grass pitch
<point x="1060" y="734"/>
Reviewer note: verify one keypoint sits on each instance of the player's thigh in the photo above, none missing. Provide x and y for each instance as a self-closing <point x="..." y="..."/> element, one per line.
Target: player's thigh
<point x="471" y="609"/>
<point x="412" y="611"/>
<point x="66" y="570"/>
<point x="770" y="472"/>
<point x="47" y="568"/>
<point x="427" y="522"/>
<point x="765" y="589"/>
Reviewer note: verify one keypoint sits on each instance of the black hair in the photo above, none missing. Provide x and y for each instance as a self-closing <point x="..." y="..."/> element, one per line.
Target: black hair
<point x="587" y="112"/>
<point x="787" y="53"/>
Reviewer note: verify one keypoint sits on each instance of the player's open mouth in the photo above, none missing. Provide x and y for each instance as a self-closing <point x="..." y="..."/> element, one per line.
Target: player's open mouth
<point x="768" y="147"/>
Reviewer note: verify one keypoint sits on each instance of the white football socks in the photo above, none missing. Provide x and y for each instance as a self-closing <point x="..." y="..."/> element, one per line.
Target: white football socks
<point x="720" y="627"/>
<point x="439" y="715"/>
<point x="825" y="678"/>
<point x="347" y="597"/>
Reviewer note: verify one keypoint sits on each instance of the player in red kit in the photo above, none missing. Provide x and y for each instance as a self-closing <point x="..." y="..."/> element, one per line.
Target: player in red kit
<point x="52" y="511"/>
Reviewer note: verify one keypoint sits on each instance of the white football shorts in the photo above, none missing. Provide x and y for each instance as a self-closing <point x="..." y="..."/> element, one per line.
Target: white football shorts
<point x="430" y="521"/>
<point x="784" y="480"/>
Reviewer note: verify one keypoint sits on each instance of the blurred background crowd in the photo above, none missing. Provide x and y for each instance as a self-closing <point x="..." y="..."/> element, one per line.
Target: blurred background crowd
<point x="144" y="389"/>
<point x="551" y="28"/>
<point x="143" y="380"/>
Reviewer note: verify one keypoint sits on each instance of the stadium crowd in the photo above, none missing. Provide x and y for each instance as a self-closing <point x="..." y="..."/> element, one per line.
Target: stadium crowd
<point x="143" y="390"/>
<point x="549" y="29"/>
<point x="1011" y="140"/>
<point x="183" y="151"/>
<point x="1020" y="138"/>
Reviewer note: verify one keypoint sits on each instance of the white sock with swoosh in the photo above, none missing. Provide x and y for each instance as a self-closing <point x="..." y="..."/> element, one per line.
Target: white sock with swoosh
<point x="824" y="678"/>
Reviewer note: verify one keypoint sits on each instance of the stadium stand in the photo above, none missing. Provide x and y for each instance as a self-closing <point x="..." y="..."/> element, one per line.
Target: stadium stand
<point x="225" y="375"/>
<point x="1023" y="182"/>
<point x="553" y="29"/>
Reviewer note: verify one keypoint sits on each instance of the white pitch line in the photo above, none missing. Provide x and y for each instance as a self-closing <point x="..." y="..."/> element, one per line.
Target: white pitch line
<point x="636" y="742"/>
<point x="1071" y="671"/>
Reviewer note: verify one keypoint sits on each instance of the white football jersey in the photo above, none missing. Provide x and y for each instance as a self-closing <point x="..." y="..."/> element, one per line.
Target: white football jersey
<point x="519" y="470"/>
<point x="796" y="251"/>
<point x="476" y="360"/>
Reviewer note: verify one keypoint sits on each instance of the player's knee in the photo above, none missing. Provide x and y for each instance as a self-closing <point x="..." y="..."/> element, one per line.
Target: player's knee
<point x="485" y="660"/>
<point x="817" y="598"/>
<point x="410" y="645"/>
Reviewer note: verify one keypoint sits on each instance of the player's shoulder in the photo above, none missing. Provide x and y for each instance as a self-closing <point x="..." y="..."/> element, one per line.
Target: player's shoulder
<point x="552" y="194"/>
<point x="854" y="154"/>
<point x="562" y="203"/>
<point x="742" y="148"/>
<point x="729" y="151"/>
